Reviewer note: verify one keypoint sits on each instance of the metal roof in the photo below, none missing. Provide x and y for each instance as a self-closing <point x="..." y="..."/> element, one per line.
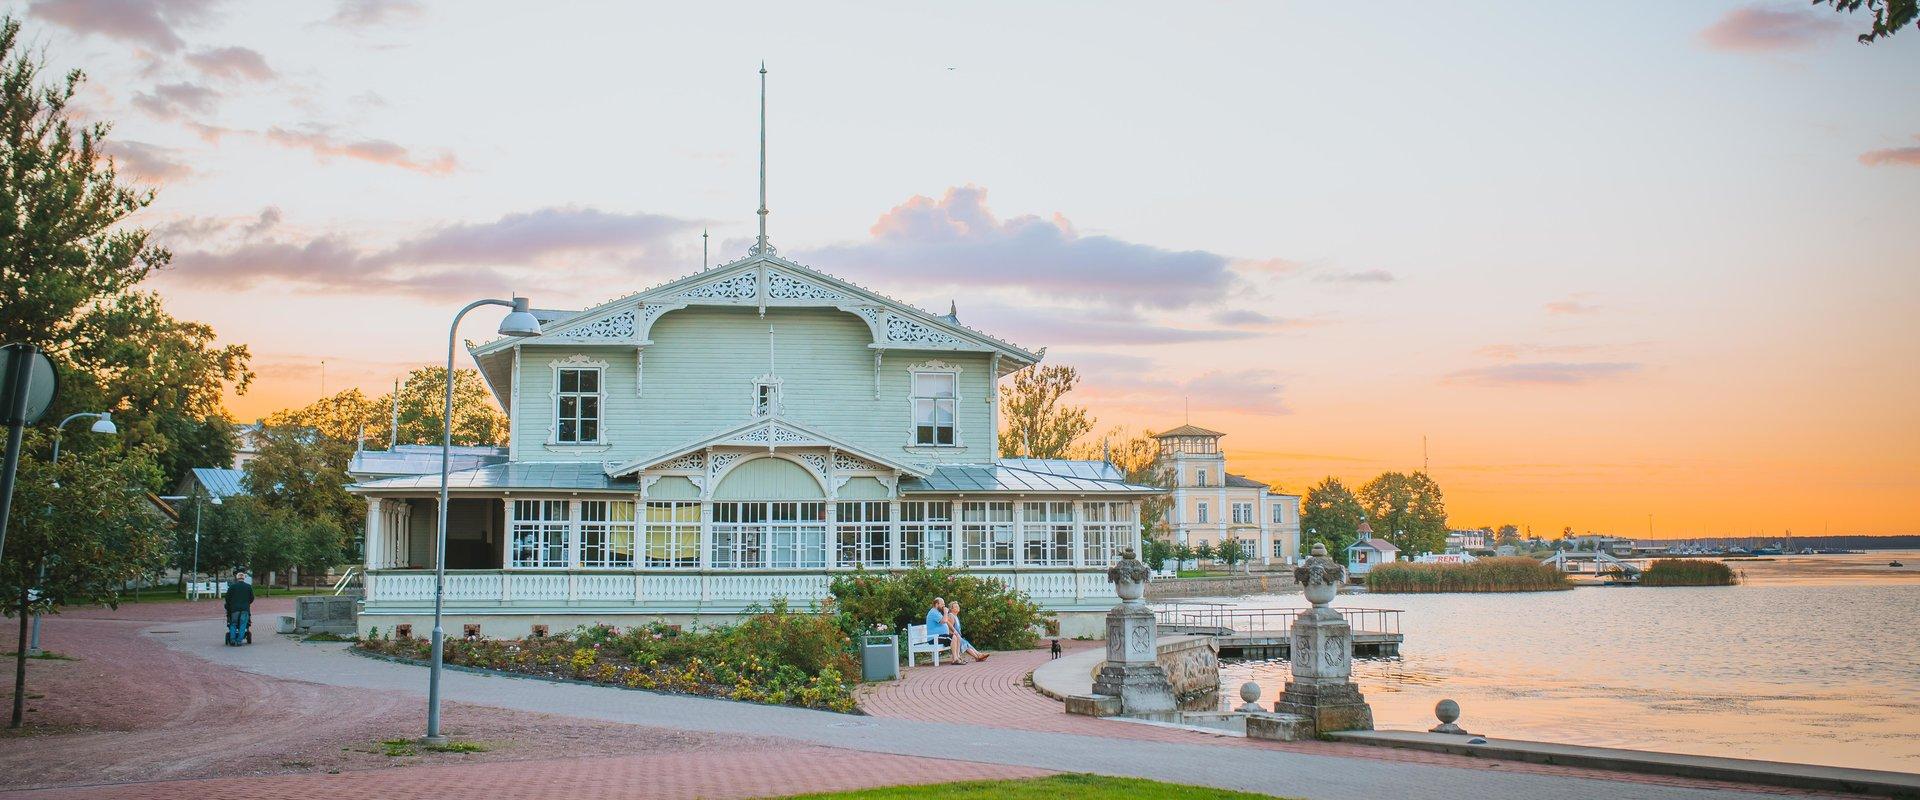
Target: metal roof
<point x="541" y="475"/>
<point x="1243" y="482"/>
<point x="1187" y="430"/>
<point x="417" y="459"/>
<point x="1381" y="545"/>
<point x="1027" y="475"/>
<point x="220" y="483"/>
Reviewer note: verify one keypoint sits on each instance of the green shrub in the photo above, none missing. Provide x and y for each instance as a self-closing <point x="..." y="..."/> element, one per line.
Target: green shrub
<point x="992" y="615"/>
<point x="1687" y="572"/>
<point x="1509" y="574"/>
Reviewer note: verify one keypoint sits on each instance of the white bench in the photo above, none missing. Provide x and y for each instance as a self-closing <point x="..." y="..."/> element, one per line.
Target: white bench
<point x="198" y="588"/>
<point x="917" y="643"/>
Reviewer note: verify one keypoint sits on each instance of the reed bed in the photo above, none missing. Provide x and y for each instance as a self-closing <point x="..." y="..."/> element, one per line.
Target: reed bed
<point x="1688" y="572"/>
<point x="1509" y="574"/>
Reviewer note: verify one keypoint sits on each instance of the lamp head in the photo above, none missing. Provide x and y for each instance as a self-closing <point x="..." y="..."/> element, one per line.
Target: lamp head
<point x="520" y="322"/>
<point x="105" y="424"/>
<point x="214" y="500"/>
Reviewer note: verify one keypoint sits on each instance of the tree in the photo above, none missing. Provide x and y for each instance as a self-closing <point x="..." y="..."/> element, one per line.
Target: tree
<point x="1231" y="552"/>
<point x="1889" y="16"/>
<point x="1407" y="510"/>
<point x="1333" y="514"/>
<point x="476" y="420"/>
<point x="1204" y="552"/>
<point x="1155" y="554"/>
<point x="1182" y="553"/>
<point x="1036" y="422"/>
<point x="1508" y="535"/>
<point x="68" y="282"/>
<point x="304" y="473"/>
<point x="78" y="533"/>
<point x="342" y="417"/>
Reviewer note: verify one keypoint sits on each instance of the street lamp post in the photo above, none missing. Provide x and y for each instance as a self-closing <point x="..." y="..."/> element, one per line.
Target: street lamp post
<point x="102" y="423"/>
<point x="518" y="322"/>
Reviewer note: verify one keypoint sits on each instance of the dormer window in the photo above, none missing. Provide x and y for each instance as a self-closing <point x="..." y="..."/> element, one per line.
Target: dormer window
<point x="577" y="414"/>
<point x="935" y="396"/>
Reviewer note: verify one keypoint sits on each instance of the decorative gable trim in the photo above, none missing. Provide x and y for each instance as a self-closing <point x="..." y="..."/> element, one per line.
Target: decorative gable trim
<point x="767" y="434"/>
<point x="619" y="327"/>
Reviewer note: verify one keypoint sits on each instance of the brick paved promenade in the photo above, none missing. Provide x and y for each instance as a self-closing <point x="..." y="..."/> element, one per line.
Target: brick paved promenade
<point x="587" y="743"/>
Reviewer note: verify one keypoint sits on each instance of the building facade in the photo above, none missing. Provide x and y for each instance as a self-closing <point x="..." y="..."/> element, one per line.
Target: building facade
<point x="742" y="434"/>
<point x="1212" y="505"/>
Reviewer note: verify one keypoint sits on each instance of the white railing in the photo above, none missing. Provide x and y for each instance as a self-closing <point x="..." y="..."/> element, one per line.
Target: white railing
<point x="599" y="589"/>
<point x="341" y="585"/>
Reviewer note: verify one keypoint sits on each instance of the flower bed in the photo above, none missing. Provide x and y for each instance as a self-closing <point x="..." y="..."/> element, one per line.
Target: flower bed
<point x="779" y="656"/>
<point x="1508" y="574"/>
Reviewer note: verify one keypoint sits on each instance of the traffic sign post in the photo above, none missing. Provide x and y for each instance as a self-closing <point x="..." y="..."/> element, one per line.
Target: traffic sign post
<point x="28" y="385"/>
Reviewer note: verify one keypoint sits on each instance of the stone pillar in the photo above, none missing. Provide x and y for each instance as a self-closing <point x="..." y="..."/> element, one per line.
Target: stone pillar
<point x="1132" y="672"/>
<point x="1322" y="689"/>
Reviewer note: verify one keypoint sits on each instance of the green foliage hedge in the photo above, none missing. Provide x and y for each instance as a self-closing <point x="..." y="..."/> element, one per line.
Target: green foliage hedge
<point x="776" y="656"/>
<point x="992" y="615"/>
<point x="1687" y="572"/>
<point x="1509" y="574"/>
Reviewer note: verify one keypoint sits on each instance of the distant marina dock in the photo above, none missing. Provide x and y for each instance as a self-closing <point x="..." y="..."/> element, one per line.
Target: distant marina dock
<point x="1261" y="633"/>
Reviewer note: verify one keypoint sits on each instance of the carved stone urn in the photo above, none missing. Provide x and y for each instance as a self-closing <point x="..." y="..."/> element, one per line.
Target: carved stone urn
<point x="1320" y="578"/>
<point x="1129" y="577"/>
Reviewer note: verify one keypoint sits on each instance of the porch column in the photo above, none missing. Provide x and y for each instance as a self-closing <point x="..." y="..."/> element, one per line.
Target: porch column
<point x="833" y="532"/>
<point x="954" y="537"/>
<point x="375" y="533"/>
<point x="706" y="534"/>
<point x="893" y="533"/>
<point x="1080" y="533"/>
<point x="1019" y="533"/>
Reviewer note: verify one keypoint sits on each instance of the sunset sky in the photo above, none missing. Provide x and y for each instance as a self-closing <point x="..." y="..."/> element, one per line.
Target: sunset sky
<point x="1611" y="259"/>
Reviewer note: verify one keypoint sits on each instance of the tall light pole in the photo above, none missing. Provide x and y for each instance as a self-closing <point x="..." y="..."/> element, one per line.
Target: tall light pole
<point x="102" y="423"/>
<point x="519" y="322"/>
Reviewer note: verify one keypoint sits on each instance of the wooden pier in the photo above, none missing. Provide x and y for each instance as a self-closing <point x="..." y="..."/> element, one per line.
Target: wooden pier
<point x="1267" y="632"/>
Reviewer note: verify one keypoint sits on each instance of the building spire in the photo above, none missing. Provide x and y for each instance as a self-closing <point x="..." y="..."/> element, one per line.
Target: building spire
<point x="761" y="246"/>
<point x="703" y="249"/>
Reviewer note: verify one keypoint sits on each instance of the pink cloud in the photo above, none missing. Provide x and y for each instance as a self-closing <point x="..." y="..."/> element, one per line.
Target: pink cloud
<point x="1543" y="373"/>
<point x="1571" y="306"/>
<point x="1758" y="29"/>
<point x="231" y="63"/>
<point x="376" y="151"/>
<point x="146" y="162"/>
<point x="176" y="101"/>
<point x="1131" y="383"/>
<point x="1892" y="157"/>
<point x="1362" y="276"/>
<point x="957" y="241"/>
<point x="149" y="23"/>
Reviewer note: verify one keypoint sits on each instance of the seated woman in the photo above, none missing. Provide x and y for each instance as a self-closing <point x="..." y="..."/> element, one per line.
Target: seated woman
<point x="960" y="645"/>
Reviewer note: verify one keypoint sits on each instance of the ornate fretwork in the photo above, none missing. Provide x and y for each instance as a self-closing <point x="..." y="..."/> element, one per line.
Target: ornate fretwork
<point x="744" y="286"/>
<point x="817" y="461"/>
<point x="903" y="331"/>
<point x="688" y="461"/>
<point x="646" y="313"/>
<point x="721" y="460"/>
<point x="614" y="327"/>
<point x="757" y="435"/>
<point x="785" y="435"/>
<point x="844" y="462"/>
<point x="781" y="286"/>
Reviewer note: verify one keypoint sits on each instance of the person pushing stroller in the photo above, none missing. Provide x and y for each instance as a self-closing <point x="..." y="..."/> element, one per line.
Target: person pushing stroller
<point x="239" y="610"/>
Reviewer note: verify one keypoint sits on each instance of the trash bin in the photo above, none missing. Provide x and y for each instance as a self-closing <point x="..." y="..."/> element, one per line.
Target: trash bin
<point x="879" y="657"/>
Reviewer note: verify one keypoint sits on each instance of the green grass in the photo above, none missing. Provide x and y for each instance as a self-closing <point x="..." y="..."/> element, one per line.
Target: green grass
<point x="1054" y="787"/>
<point x="172" y="593"/>
<point x="328" y="636"/>
<point x="397" y="748"/>
<point x="1202" y="573"/>
<point x="458" y="747"/>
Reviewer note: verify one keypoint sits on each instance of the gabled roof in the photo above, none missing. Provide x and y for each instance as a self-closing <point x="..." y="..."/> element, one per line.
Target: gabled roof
<point x="1187" y="430"/>
<point x="1243" y="482"/>
<point x="1381" y="545"/>
<point x="1027" y="475"/>
<point x="220" y="483"/>
<point x="763" y="280"/>
<point x="770" y="432"/>
<point x="525" y="475"/>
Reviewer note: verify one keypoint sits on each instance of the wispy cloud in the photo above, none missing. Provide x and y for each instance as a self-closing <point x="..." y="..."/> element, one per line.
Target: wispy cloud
<point x="1076" y="326"/>
<point x="1761" y="29"/>
<point x="452" y="260"/>
<point x="1360" y="276"/>
<point x="146" y="162"/>
<point x="324" y="144"/>
<point x="1892" y="156"/>
<point x="1255" y="320"/>
<point x="957" y="241"/>
<point x="1544" y="373"/>
<point x="370" y="13"/>
<point x="177" y="101"/>
<point x="1268" y="266"/>
<point x="231" y="63"/>
<point x="148" y="23"/>
<point x="1513" y="352"/>
<point x="1123" y="382"/>
<point x="1571" y="306"/>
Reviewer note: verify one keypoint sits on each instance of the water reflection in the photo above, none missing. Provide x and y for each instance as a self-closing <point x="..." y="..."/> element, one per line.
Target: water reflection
<point x="1814" y="659"/>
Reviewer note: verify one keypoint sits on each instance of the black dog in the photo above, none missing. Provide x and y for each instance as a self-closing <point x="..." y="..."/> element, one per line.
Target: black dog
<point x="1056" y="648"/>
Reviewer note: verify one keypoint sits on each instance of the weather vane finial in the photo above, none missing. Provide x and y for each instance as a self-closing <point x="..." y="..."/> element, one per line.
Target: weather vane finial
<point x="762" y="246"/>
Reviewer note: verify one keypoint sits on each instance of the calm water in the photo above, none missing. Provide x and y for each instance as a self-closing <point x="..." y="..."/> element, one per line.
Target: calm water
<point x="1814" y="659"/>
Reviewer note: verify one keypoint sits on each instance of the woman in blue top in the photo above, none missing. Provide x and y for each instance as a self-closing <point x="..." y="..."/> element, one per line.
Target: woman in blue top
<point x="960" y="645"/>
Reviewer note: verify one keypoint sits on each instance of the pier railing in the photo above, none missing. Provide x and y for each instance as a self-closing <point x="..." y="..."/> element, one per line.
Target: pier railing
<point x="1277" y="622"/>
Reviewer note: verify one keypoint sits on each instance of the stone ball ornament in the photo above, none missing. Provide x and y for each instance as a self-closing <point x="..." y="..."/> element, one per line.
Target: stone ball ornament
<point x="1447" y="711"/>
<point x="1250" y="697"/>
